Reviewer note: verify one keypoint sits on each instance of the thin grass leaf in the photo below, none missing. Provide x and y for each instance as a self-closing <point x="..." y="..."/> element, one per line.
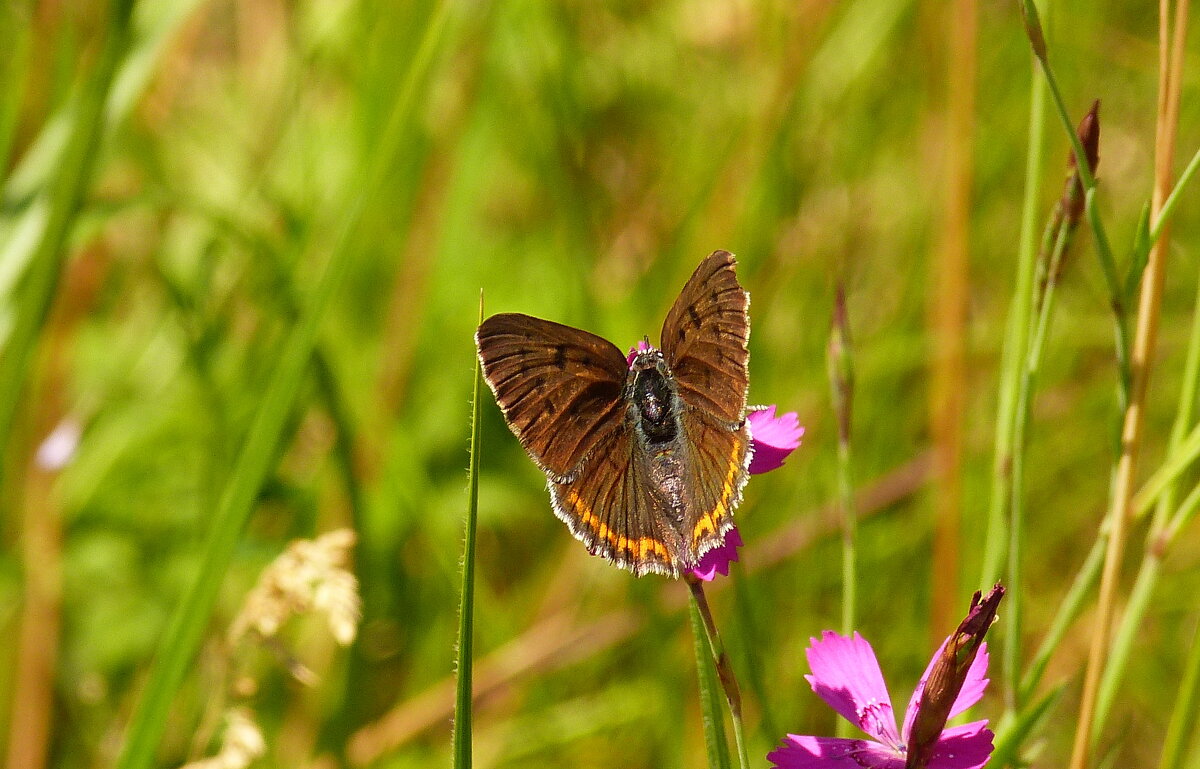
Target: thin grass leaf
<point x="1012" y="734"/>
<point x="1187" y="707"/>
<point x="466" y="606"/>
<point x="716" y="744"/>
<point x="1168" y="208"/>
<point x="1141" y="253"/>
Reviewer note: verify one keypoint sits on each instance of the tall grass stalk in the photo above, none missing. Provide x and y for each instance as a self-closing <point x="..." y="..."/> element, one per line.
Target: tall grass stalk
<point x="1145" y="337"/>
<point x="1016" y="345"/>
<point x="184" y="632"/>
<point x="466" y="607"/>
<point x="841" y="387"/>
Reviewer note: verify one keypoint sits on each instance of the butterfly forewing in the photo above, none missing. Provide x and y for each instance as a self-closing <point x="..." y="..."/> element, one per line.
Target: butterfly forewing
<point x="559" y="387"/>
<point x="704" y="340"/>
<point x="614" y="509"/>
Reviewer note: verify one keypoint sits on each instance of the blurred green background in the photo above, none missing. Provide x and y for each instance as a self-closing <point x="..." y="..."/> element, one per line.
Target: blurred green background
<point x="574" y="160"/>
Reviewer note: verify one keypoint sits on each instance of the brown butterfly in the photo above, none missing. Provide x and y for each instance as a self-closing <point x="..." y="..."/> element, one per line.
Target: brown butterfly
<point x="646" y="457"/>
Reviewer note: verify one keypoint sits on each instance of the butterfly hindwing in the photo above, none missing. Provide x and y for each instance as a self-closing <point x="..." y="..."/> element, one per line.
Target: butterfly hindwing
<point x="704" y="340"/>
<point x="718" y="462"/>
<point x="559" y="387"/>
<point x="615" y="509"/>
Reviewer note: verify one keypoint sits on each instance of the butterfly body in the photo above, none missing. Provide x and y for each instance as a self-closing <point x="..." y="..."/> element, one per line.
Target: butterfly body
<point x="645" y="458"/>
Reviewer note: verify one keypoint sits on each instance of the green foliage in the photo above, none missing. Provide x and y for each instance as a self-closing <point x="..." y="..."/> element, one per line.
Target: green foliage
<point x="245" y="262"/>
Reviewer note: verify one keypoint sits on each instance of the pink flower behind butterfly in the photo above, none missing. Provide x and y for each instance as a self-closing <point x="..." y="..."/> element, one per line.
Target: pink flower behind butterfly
<point x="772" y="440"/>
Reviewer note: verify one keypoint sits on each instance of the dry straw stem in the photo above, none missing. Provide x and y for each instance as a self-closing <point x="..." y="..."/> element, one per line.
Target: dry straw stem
<point x="557" y="640"/>
<point x="947" y="313"/>
<point x="1145" y="336"/>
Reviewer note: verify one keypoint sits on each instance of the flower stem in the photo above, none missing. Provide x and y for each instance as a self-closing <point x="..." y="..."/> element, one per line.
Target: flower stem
<point x="724" y="670"/>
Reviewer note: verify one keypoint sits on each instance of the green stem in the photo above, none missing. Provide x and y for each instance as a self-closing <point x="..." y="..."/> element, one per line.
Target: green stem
<point x="1183" y="716"/>
<point x="1059" y="234"/>
<point x="1016" y="344"/>
<point x="716" y="744"/>
<point x="725" y="673"/>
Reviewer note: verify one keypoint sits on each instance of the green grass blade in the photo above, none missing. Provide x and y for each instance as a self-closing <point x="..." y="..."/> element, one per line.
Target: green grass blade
<point x="1183" y="716"/>
<point x="716" y="744"/>
<point x="1011" y="735"/>
<point x="466" y="606"/>
<point x="1016" y="343"/>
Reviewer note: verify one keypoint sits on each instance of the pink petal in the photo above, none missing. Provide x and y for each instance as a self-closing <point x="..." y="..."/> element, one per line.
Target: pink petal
<point x="717" y="560"/>
<point x="963" y="747"/>
<point x="973" y="687"/>
<point x="641" y="346"/>
<point x="772" y="438"/>
<point x="802" y="752"/>
<point x="817" y="752"/>
<point x="846" y="675"/>
<point x="975" y="683"/>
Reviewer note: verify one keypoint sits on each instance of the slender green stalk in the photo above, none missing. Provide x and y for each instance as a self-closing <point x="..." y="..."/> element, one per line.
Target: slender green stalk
<point x="841" y="389"/>
<point x="64" y="194"/>
<point x="1016" y="345"/>
<point x="725" y="674"/>
<point x="1013" y="730"/>
<point x="1183" y="715"/>
<point x="1068" y="611"/>
<point x="466" y="607"/>
<point x="1059" y="233"/>
<point x="715" y="743"/>
<point x="187" y="625"/>
<point x="1178" y="460"/>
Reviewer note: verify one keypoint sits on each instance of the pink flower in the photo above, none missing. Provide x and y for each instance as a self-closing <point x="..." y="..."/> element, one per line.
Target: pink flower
<point x="772" y="439"/>
<point x="846" y="675"/>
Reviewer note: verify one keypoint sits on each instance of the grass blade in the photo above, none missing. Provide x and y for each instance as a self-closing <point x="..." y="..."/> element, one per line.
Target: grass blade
<point x="466" y="606"/>
<point x="716" y="744"/>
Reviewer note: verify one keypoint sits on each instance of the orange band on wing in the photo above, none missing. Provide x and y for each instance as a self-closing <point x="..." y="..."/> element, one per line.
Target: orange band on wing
<point x="708" y="522"/>
<point x="639" y="547"/>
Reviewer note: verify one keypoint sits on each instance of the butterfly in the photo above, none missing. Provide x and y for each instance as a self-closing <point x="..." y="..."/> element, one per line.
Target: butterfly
<point x="645" y="455"/>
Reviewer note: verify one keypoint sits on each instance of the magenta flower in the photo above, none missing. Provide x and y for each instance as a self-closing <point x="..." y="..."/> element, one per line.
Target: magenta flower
<point x="846" y="675"/>
<point x="772" y="439"/>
